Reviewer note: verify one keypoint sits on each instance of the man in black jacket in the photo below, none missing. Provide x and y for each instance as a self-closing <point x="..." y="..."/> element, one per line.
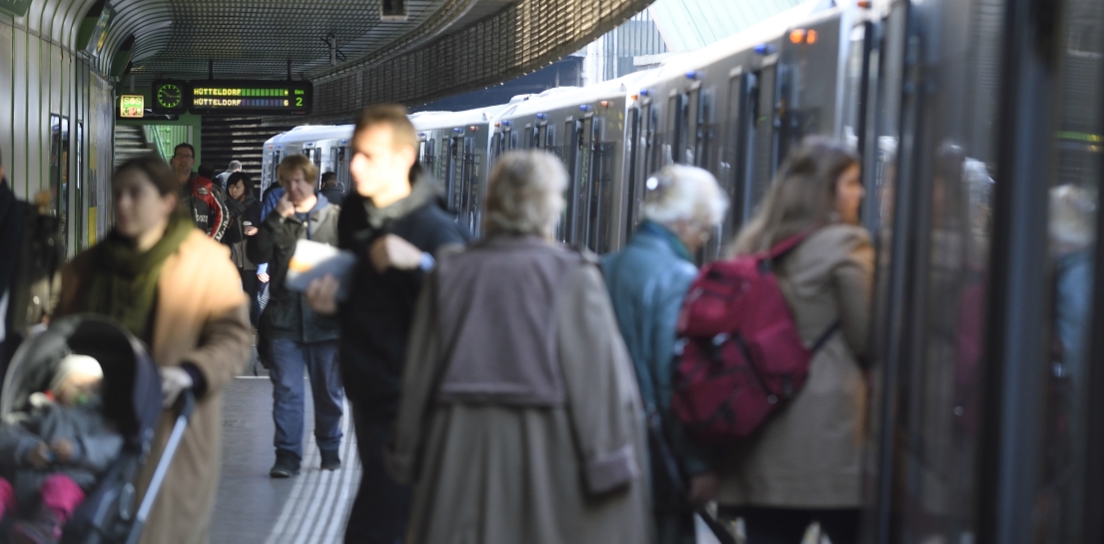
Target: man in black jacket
<point x="31" y="252"/>
<point x="395" y="222"/>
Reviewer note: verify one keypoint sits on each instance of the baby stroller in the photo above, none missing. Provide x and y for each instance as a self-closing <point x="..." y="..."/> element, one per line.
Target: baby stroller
<point x="131" y="391"/>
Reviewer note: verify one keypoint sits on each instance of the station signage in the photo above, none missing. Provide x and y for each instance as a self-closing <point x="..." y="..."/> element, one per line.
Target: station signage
<point x="132" y="106"/>
<point x="233" y="97"/>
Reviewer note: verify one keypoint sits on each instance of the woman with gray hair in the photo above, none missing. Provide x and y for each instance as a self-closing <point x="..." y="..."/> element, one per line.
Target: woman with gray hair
<point x="519" y="419"/>
<point x="647" y="282"/>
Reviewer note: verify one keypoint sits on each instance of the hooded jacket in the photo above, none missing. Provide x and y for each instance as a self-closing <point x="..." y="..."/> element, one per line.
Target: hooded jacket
<point x="287" y="313"/>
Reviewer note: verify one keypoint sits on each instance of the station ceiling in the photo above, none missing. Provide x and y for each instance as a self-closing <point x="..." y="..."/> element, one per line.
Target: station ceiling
<point x="444" y="46"/>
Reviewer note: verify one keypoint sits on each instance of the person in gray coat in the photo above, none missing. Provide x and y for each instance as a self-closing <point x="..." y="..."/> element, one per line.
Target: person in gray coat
<point x="647" y="282"/>
<point x="804" y="464"/>
<point x="56" y="453"/>
<point x="520" y="419"/>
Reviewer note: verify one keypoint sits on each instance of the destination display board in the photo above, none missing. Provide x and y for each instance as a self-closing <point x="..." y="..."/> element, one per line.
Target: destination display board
<point x="234" y="97"/>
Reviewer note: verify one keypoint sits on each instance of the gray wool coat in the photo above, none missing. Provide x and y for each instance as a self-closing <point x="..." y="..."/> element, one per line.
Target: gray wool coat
<point x="808" y="455"/>
<point x="95" y="446"/>
<point x="520" y="416"/>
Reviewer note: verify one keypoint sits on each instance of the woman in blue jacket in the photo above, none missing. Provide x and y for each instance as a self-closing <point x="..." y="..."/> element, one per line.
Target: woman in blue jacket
<point x="647" y="282"/>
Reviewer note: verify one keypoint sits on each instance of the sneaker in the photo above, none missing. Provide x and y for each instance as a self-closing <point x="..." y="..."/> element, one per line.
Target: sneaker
<point x="330" y="460"/>
<point x="287" y="465"/>
<point x="45" y="528"/>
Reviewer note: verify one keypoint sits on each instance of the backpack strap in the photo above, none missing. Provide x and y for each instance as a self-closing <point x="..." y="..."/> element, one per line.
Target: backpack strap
<point x="789" y="244"/>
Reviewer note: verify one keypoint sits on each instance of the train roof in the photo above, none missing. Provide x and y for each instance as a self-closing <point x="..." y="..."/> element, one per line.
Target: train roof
<point x="561" y="97"/>
<point x="762" y="32"/>
<point x="432" y="120"/>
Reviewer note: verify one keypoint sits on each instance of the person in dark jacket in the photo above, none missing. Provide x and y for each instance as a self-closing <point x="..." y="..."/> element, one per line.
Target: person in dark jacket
<point x="647" y="282"/>
<point x="31" y="252"/>
<point x="331" y="188"/>
<point x="300" y="337"/>
<point x="198" y="198"/>
<point x="395" y="222"/>
<point x="245" y="220"/>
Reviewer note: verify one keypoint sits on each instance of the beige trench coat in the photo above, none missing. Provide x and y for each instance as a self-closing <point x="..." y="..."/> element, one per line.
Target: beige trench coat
<point x="808" y="455"/>
<point x="201" y="317"/>
<point x="487" y="473"/>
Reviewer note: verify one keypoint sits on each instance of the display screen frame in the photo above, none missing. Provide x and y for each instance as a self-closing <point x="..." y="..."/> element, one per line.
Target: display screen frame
<point x="208" y="97"/>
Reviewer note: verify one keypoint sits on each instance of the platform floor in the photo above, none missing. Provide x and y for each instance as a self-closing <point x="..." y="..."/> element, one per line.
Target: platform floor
<point x="255" y="509"/>
<point x="311" y="508"/>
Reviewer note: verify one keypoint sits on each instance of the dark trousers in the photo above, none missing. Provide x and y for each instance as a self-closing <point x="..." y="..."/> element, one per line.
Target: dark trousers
<point x="788" y="525"/>
<point x="382" y="506"/>
<point x="290" y="359"/>
<point x="249" y="285"/>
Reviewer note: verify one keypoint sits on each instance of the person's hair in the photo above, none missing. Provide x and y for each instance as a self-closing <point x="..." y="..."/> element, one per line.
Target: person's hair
<point x="1071" y="217"/>
<point x="187" y="145"/>
<point x="329" y="179"/>
<point x="296" y="162"/>
<point x="234" y="165"/>
<point x="239" y="177"/>
<point x="394" y="116"/>
<point x="802" y="196"/>
<point x="207" y="171"/>
<point x="155" y="169"/>
<point x="684" y="193"/>
<point x="525" y="194"/>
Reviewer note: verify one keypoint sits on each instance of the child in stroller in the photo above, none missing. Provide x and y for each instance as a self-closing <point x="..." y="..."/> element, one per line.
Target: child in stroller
<point x="56" y="452"/>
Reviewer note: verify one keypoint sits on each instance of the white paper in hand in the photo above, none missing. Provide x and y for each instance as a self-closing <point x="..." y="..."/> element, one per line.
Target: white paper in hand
<point x="313" y="260"/>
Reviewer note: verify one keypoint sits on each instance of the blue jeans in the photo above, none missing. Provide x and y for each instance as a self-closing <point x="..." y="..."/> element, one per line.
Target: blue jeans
<point x="289" y="360"/>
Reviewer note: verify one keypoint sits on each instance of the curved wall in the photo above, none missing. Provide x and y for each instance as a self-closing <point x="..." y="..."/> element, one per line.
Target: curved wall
<point x="48" y="86"/>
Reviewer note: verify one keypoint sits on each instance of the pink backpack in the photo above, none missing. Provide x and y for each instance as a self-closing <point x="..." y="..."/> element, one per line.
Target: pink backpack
<point x="741" y="356"/>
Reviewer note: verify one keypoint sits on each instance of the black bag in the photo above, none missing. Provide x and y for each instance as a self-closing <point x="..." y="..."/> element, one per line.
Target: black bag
<point x="668" y="482"/>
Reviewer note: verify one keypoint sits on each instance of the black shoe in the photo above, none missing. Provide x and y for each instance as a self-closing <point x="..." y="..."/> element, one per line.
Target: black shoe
<point x="287" y="465"/>
<point x="330" y="460"/>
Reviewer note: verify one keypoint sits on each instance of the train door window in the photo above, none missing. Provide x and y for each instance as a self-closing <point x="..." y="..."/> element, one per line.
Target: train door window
<point x="534" y="137"/>
<point x="601" y="199"/>
<point x="570" y="156"/>
<point x="471" y="186"/>
<point x="59" y="172"/>
<point x="342" y="164"/>
<point x="79" y="200"/>
<point x="583" y="180"/>
<point x="429" y="160"/>
<point x="764" y="151"/>
<point x="678" y="124"/>
<point x="549" y="136"/>
<point x="513" y="140"/>
<point x="635" y="184"/>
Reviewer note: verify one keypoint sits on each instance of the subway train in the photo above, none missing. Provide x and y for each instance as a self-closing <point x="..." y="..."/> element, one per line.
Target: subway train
<point x="972" y="118"/>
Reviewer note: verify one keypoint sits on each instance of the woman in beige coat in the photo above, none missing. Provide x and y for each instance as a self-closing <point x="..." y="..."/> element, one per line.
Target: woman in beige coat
<point x="803" y="465"/>
<point x="178" y="291"/>
<point x="520" y="418"/>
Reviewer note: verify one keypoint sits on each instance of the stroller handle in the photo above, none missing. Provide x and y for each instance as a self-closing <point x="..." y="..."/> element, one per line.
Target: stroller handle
<point x="186" y="402"/>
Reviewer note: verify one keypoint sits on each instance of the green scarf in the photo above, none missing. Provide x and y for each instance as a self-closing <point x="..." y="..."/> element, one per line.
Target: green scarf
<point x="123" y="282"/>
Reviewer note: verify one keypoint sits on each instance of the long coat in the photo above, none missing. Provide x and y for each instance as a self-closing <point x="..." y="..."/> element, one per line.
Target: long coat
<point x="808" y="455"/>
<point x="515" y="458"/>
<point x="201" y="317"/>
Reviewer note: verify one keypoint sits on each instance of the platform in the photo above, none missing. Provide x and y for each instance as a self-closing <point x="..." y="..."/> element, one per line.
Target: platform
<point x="253" y="508"/>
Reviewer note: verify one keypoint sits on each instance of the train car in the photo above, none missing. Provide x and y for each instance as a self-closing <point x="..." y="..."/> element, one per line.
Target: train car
<point x="455" y="148"/>
<point x="588" y="128"/>
<point x="326" y="145"/>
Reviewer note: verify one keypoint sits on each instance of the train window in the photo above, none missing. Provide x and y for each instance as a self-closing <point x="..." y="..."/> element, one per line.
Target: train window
<point x="535" y="139"/>
<point x="601" y="189"/>
<point x="678" y="121"/>
<point x="635" y="186"/>
<point x="764" y="152"/>
<point x="570" y="156"/>
<point x="59" y="172"/>
<point x="343" y="176"/>
<point x="429" y="160"/>
<point x="513" y="139"/>
<point x="549" y="136"/>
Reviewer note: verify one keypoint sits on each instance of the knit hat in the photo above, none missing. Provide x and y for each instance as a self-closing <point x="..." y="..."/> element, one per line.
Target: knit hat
<point x="73" y="364"/>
